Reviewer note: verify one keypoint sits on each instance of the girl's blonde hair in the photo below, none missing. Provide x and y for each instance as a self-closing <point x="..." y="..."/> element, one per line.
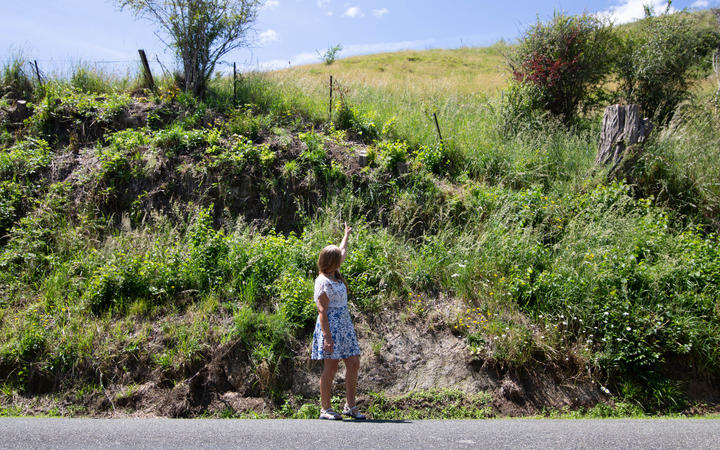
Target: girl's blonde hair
<point x="329" y="262"/>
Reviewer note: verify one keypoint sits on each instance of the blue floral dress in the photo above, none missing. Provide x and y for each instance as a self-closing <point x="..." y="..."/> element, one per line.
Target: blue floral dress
<point x="341" y="326"/>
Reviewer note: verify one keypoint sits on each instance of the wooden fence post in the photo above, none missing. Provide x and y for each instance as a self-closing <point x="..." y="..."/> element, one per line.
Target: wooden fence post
<point x="437" y="127"/>
<point x="234" y="84"/>
<point x="146" y="66"/>
<point x="331" y="99"/>
<point x="37" y="72"/>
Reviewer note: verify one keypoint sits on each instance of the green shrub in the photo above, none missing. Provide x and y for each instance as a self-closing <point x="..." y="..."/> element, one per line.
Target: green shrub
<point x="25" y="159"/>
<point x="307" y="411"/>
<point x="266" y="337"/>
<point x="269" y="256"/>
<point x="198" y="261"/>
<point x="177" y="141"/>
<point x="369" y="269"/>
<point x="521" y="108"/>
<point x="439" y="159"/>
<point x="64" y="111"/>
<point x="658" y="61"/>
<point x="248" y="122"/>
<point x="392" y="153"/>
<point x="31" y="243"/>
<point x="242" y="156"/>
<point x="360" y="123"/>
<point x="330" y="54"/>
<point x="564" y="59"/>
<point x="128" y="140"/>
<point x="208" y="250"/>
<point x="295" y="293"/>
<point x="11" y="196"/>
<point x="15" y="80"/>
<point x="617" y="278"/>
<point x="89" y="81"/>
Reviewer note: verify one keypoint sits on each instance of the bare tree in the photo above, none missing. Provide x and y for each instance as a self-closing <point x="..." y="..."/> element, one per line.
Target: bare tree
<point x="199" y="31"/>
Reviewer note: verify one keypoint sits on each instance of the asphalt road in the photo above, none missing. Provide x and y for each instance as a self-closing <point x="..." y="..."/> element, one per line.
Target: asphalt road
<point x="259" y="434"/>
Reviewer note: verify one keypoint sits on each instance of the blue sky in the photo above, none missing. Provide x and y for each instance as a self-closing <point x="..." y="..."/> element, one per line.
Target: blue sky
<point x="59" y="33"/>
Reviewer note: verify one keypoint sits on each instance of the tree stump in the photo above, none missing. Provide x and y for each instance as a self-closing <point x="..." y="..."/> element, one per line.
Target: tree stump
<point x="622" y="128"/>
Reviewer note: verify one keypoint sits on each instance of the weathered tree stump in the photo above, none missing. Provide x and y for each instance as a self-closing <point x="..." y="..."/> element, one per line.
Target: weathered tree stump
<point x="622" y="128"/>
<point x="19" y="111"/>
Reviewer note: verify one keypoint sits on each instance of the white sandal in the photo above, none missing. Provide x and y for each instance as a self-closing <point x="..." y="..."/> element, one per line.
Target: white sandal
<point x="329" y="414"/>
<point x="353" y="412"/>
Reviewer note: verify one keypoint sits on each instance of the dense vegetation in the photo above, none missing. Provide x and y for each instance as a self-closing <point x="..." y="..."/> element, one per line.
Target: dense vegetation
<point x="141" y="231"/>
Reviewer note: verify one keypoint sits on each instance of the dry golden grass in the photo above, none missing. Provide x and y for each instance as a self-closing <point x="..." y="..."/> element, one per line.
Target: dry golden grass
<point x="429" y="72"/>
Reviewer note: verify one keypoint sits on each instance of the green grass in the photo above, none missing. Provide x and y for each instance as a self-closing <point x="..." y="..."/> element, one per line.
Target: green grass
<point x="152" y="255"/>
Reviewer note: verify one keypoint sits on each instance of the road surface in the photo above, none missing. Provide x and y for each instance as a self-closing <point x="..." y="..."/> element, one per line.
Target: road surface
<point x="31" y="433"/>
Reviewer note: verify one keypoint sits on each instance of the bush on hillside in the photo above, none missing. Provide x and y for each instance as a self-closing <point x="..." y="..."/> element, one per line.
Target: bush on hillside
<point x="659" y="59"/>
<point x="15" y="81"/>
<point x="563" y="60"/>
<point x="90" y="81"/>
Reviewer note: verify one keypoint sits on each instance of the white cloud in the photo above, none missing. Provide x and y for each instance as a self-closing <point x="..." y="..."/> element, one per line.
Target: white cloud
<point x="329" y="13"/>
<point x="269" y="36"/>
<point x="380" y="12"/>
<point x="700" y="4"/>
<point x="354" y="12"/>
<point x="630" y="10"/>
<point x="322" y="3"/>
<point x="271" y="4"/>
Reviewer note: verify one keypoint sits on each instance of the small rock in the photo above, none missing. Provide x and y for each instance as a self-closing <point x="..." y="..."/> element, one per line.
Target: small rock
<point x="362" y="158"/>
<point x="402" y="168"/>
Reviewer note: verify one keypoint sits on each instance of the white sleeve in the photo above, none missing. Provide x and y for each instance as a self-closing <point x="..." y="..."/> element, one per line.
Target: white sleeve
<point x="320" y="287"/>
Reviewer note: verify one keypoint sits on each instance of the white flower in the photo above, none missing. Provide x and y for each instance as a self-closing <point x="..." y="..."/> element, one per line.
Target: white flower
<point x="626" y="314"/>
<point x="461" y="265"/>
<point x="605" y="390"/>
<point x="628" y="328"/>
<point x="455" y="275"/>
<point x="606" y="313"/>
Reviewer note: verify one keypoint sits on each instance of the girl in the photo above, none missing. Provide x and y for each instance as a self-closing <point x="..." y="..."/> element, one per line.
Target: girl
<point x="334" y="337"/>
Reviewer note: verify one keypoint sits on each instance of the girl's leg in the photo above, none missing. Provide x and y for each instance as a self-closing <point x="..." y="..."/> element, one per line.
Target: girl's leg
<point x="352" y="366"/>
<point x="326" y="381"/>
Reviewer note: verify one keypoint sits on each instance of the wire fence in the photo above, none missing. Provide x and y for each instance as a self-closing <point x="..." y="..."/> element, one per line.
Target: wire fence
<point x="64" y="68"/>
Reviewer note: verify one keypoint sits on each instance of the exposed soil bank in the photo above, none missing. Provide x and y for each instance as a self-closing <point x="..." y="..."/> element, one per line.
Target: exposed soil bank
<point x="401" y="354"/>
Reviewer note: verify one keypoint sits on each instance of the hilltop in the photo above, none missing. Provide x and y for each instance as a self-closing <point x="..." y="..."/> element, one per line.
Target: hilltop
<point x="419" y="72"/>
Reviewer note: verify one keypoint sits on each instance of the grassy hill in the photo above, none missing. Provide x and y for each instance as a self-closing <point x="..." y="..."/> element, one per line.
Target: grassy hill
<point x="447" y="72"/>
<point x="157" y="252"/>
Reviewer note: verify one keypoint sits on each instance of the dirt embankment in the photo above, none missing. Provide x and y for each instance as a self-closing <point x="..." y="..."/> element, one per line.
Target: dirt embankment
<point x="401" y="353"/>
